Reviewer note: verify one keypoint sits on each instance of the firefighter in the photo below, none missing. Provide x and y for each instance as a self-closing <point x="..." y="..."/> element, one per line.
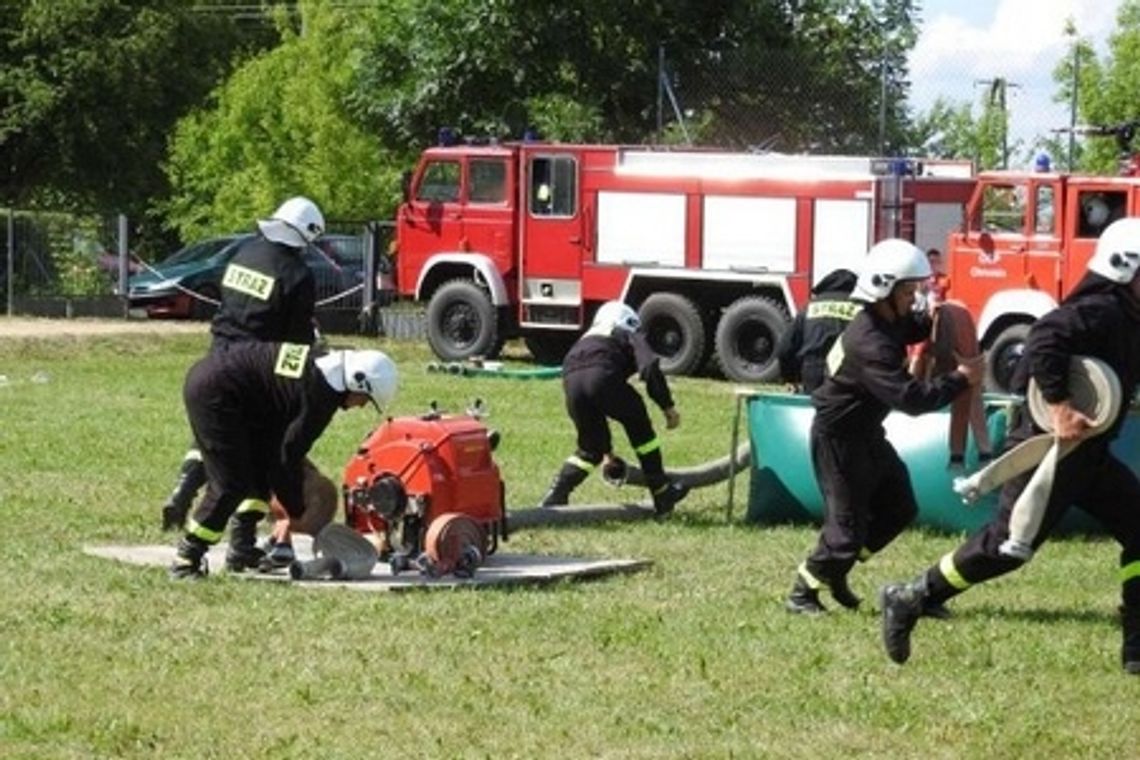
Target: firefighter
<point x="1100" y="319"/>
<point x="268" y="294"/>
<point x="595" y="378"/>
<point x="256" y="409"/>
<point x="866" y="486"/>
<point x="802" y="350"/>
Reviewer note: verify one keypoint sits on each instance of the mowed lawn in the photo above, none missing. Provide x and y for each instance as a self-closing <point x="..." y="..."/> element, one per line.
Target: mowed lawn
<point x="693" y="658"/>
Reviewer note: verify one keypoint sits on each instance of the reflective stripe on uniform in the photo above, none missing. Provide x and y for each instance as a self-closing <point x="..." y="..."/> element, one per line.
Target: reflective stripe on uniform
<point x="193" y="455"/>
<point x="844" y="310"/>
<point x="581" y="463"/>
<point x="1130" y="571"/>
<point x="248" y="281"/>
<point x="291" y="360"/>
<point x="951" y="574"/>
<point x="651" y="445"/>
<point x="809" y="579"/>
<point x="195" y="528"/>
<point x="253" y="506"/>
<point x="835" y="357"/>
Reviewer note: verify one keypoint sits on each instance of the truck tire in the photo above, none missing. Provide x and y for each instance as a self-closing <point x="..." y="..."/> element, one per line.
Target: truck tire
<point x="673" y="326"/>
<point x="549" y="349"/>
<point x="746" y="339"/>
<point x="1003" y="355"/>
<point x="462" y="322"/>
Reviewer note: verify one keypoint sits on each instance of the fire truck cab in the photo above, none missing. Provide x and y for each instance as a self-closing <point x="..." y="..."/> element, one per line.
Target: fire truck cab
<point x="715" y="250"/>
<point x="1026" y="243"/>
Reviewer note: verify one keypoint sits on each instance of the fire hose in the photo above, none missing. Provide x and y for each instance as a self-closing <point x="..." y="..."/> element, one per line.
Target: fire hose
<point x="1094" y="390"/>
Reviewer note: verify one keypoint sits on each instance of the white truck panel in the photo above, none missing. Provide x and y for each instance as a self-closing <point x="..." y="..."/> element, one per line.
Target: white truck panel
<point x="756" y="234"/>
<point x="641" y="228"/>
<point x="841" y="235"/>
<point x="933" y="223"/>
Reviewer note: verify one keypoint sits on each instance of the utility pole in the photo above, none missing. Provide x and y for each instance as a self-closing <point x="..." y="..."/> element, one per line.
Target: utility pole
<point x="997" y="96"/>
<point x="1073" y="107"/>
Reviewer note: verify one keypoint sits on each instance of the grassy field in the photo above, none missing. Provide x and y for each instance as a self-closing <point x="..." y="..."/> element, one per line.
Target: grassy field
<point x="694" y="658"/>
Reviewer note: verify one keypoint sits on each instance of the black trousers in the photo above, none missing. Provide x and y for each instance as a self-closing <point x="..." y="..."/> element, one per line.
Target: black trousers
<point x="237" y="464"/>
<point x="867" y="495"/>
<point x="1090" y="478"/>
<point x="592" y="398"/>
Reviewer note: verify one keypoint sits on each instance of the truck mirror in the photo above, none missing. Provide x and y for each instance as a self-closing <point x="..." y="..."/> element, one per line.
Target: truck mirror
<point x="406" y="185"/>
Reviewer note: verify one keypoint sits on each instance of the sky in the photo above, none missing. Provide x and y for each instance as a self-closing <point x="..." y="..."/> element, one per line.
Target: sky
<point x="964" y="41"/>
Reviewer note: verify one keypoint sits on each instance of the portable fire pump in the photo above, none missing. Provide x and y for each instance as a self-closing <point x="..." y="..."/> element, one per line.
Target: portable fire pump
<point x="426" y="490"/>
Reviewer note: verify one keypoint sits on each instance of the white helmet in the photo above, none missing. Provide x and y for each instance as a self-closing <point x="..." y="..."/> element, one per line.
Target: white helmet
<point x="889" y="262"/>
<point x="1117" y="254"/>
<point x="615" y="315"/>
<point x="296" y="222"/>
<point x="370" y="372"/>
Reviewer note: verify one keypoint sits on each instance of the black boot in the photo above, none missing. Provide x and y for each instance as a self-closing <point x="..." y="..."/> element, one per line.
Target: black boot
<point x="191" y="477"/>
<point x="804" y="600"/>
<point x="1130" y="652"/>
<point x="567" y="479"/>
<point x="843" y="594"/>
<point x="244" y="554"/>
<point x="666" y="496"/>
<point x="902" y="605"/>
<point x="190" y="559"/>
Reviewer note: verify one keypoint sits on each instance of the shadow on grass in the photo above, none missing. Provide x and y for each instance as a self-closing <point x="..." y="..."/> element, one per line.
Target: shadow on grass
<point x="1040" y="615"/>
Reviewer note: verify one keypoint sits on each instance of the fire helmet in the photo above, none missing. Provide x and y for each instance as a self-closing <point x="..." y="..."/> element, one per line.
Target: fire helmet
<point x="369" y="372"/>
<point x="888" y="263"/>
<point x="296" y="223"/>
<point x="1117" y="254"/>
<point x="615" y="315"/>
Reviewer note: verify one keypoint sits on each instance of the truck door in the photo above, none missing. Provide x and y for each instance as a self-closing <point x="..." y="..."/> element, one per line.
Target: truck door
<point x="552" y="238"/>
<point x="431" y="219"/>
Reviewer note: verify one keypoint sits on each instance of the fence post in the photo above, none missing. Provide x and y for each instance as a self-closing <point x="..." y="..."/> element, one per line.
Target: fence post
<point x="368" y="297"/>
<point x="124" y="260"/>
<point x="9" y="267"/>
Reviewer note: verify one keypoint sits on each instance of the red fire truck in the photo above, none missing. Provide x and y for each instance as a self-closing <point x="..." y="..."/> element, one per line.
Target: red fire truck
<point x="1027" y="240"/>
<point x="716" y="250"/>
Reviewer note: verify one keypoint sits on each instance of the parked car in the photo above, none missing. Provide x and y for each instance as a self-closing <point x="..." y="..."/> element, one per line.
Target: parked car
<point x="187" y="285"/>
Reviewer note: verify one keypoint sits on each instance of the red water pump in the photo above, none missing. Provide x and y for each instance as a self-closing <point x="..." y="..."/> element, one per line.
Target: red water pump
<point x="436" y="468"/>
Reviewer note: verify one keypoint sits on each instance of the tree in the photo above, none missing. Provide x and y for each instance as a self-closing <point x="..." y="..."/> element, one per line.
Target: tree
<point x="280" y="127"/>
<point x="89" y="90"/>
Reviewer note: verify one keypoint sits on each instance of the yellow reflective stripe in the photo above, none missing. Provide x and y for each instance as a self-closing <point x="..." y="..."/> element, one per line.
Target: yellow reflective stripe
<point x="845" y="310"/>
<point x="291" y="360"/>
<point x="1130" y="571"/>
<point x="193" y="455"/>
<point x="951" y="574"/>
<point x="253" y="506"/>
<point x="809" y="579"/>
<point x="581" y="463"/>
<point x="195" y="528"/>
<point x="835" y="357"/>
<point x="650" y="445"/>
<point x="248" y="281"/>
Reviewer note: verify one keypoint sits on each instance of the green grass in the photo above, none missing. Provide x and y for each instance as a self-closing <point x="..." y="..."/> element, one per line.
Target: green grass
<point x="693" y="658"/>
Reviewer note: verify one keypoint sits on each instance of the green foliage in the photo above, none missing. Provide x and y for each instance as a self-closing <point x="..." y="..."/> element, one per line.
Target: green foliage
<point x="278" y="128"/>
<point x="692" y="658"/>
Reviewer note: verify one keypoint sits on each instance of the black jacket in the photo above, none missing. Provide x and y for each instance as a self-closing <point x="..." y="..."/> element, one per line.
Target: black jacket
<point x="268" y="294"/>
<point x="802" y="350"/>
<point x="619" y="356"/>
<point x="1099" y="319"/>
<point x="871" y="377"/>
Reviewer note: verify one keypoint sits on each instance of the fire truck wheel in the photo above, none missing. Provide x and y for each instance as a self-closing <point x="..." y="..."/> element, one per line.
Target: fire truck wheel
<point x="462" y="322"/>
<point x="1002" y="357"/>
<point x="746" y="339"/>
<point x="549" y="350"/>
<point x="675" y="330"/>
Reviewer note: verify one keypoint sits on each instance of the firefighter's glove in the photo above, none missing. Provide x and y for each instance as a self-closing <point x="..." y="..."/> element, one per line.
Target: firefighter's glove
<point x="615" y="471"/>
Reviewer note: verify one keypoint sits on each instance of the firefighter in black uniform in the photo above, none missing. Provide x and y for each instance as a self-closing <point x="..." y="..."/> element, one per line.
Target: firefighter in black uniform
<point x="866" y="487"/>
<point x="256" y="409"/>
<point x="268" y="294"/>
<point x="595" y="377"/>
<point x="802" y="350"/>
<point x="1100" y="319"/>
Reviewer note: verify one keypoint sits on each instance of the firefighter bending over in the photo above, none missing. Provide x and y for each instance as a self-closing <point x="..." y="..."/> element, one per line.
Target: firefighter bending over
<point x="802" y="350"/>
<point x="866" y="487"/>
<point x="595" y="377"/>
<point x="256" y="409"/>
<point x="1100" y="319"/>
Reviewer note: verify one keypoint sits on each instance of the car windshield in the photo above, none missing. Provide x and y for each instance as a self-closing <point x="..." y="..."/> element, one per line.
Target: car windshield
<point x="198" y="251"/>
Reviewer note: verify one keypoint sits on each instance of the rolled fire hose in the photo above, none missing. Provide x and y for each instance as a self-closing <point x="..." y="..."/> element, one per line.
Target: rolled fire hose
<point x="342" y="554"/>
<point x="1094" y="389"/>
